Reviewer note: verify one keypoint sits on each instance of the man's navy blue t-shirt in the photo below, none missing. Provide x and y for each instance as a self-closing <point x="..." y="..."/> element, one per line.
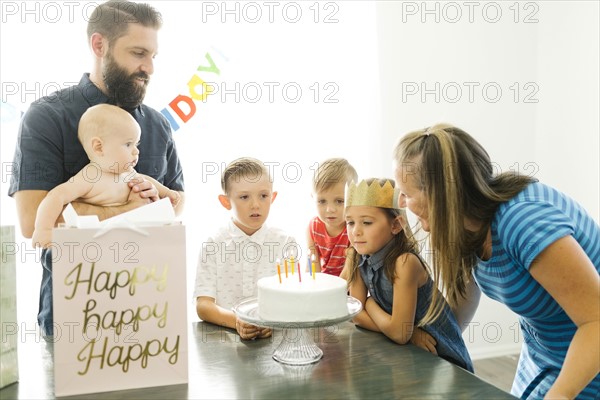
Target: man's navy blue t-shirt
<point x="48" y="151"/>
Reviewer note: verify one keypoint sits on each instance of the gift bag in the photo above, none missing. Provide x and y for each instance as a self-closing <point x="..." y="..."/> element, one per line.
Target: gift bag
<point x="9" y="368"/>
<point x="120" y="318"/>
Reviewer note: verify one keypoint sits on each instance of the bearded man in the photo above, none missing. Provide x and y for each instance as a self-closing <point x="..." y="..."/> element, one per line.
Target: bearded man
<point x="122" y="36"/>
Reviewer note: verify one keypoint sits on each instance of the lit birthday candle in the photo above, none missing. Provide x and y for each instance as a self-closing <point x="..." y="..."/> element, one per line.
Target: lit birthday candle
<point x="278" y="270"/>
<point x="299" y="275"/>
<point x="308" y="265"/>
<point x="292" y="261"/>
<point x="314" y="272"/>
<point x="285" y="266"/>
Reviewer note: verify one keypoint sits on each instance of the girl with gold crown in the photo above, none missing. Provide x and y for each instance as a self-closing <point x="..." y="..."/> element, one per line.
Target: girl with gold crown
<point x="386" y="274"/>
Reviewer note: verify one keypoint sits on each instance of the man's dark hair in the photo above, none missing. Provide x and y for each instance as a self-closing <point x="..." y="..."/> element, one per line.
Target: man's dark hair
<point x="112" y="19"/>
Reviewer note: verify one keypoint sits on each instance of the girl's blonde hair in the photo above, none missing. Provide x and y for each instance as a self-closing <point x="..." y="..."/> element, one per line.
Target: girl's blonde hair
<point x="457" y="178"/>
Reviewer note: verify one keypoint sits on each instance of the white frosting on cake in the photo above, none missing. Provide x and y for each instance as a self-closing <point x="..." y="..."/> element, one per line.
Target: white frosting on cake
<point x="311" y="300"/>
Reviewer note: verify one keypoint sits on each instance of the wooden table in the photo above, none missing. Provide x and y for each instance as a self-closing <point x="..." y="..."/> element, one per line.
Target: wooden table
<point x="356" y="364"/>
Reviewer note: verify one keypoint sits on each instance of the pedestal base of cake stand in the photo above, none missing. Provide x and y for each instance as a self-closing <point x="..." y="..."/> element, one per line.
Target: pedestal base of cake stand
<point x="297" y="346"/>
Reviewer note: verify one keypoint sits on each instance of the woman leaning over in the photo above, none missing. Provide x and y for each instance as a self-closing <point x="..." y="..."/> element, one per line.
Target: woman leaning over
<point x="525" y="244"/>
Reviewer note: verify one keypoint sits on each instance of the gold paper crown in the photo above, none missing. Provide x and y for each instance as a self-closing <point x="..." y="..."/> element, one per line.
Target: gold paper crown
<point x="372" y="194"/>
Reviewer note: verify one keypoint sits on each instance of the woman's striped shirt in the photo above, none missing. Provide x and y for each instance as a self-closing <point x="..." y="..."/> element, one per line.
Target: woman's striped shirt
<point x="521" y="229"/>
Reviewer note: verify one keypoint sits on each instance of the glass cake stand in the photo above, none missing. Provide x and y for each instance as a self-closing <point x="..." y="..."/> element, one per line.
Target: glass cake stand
<point x="297" y="346"/>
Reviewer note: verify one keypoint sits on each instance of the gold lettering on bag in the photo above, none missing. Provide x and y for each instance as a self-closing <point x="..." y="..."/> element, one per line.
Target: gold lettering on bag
<point x="112" y="281"/>
<point x="123" y="355"/>
<point x="90" y="284"/>
<point x="119" y="319"/>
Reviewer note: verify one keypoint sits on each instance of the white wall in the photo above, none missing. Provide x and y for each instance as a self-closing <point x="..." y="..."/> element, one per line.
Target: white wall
<point x="567" y="131"/>
<point x="550" y="130"/>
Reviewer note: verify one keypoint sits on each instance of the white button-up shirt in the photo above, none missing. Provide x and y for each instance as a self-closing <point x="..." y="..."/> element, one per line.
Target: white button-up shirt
<point x="231" y="262"/>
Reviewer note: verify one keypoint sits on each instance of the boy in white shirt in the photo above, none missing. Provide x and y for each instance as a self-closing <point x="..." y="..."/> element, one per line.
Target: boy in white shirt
<point x="240" y="253"/>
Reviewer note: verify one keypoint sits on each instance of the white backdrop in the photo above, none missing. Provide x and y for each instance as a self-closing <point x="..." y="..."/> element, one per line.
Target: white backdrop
<point x="302" y="81"/>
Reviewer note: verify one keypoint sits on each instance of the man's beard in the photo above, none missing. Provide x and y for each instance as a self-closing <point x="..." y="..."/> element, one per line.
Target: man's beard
<point x="123" y="88"/>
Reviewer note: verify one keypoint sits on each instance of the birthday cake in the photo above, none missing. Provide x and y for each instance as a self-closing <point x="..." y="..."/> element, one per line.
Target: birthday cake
<point x="305" y="300"/>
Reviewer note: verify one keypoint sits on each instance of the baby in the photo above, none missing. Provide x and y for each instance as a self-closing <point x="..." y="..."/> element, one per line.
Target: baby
<point x="109" y="136"/>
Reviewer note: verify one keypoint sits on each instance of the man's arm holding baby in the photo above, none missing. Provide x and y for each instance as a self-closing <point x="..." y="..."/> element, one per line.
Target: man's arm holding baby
<point x="144" y="190"/>
<point x="140" y="195"/>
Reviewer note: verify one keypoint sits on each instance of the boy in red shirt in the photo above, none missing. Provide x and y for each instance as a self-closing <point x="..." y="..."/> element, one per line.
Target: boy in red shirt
<point x="326" y="236"/>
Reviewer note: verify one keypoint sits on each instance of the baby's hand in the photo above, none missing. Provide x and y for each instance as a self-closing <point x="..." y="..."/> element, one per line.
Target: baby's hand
<point x="41" y="238"/>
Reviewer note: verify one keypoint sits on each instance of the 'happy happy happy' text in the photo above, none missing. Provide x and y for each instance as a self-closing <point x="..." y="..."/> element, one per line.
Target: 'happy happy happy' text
<point x="90" y="280"/>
